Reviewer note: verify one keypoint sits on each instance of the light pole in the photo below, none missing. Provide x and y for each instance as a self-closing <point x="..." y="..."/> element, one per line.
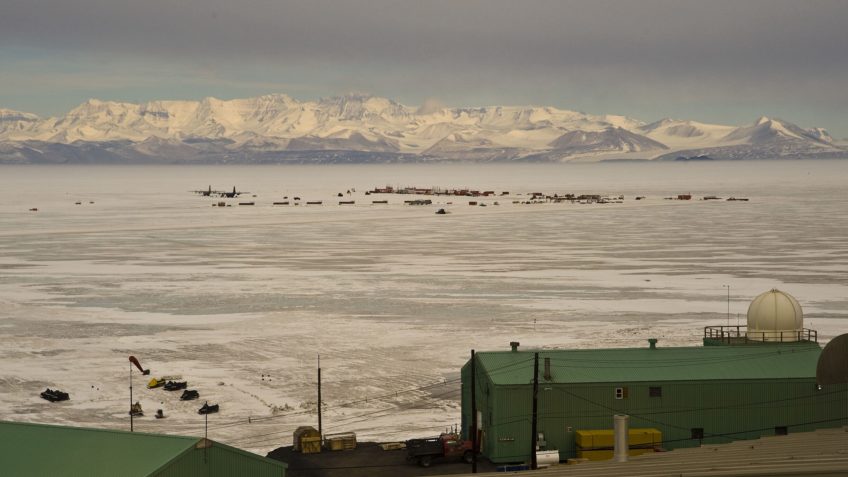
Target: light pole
<point x="131" y="407"/>
<point x="728" y="303"/>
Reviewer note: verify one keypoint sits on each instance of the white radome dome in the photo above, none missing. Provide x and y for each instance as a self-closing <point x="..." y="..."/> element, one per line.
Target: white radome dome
<point x="775" y="316"/>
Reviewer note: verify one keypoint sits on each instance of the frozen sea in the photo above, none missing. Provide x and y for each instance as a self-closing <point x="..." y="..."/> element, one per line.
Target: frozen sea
<point x="241" y="300"/>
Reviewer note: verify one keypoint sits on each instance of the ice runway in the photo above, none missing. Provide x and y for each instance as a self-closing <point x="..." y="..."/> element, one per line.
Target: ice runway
<point x="241" y="300"/>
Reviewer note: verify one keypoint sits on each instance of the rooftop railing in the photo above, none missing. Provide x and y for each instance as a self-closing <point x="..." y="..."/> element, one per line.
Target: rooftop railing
<point x="739" y="334"/>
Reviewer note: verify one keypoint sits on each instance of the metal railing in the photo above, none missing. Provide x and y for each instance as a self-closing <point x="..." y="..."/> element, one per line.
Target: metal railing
<point x="736" y="334"/>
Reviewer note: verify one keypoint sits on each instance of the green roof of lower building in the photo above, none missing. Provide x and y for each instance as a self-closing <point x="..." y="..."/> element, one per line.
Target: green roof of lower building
<point x="40" y="449"/>
<point x="654" y="365"/>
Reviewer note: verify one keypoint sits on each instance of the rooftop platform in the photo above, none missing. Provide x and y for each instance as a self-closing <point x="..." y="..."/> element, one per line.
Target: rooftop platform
<point x="740" y="335"/>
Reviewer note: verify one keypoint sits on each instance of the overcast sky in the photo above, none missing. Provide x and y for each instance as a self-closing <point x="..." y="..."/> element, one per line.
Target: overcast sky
<point x="712" y="61"/>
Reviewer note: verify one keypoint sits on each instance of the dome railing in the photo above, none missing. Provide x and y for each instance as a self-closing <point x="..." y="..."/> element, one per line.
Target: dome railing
<point x="739" y="334"/>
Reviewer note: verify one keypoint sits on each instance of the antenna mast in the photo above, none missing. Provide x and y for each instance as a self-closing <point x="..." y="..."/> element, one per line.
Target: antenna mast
<point x="320" y="430"/>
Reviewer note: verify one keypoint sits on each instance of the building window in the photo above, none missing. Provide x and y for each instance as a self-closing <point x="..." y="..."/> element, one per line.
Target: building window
<point x="781" y="431"/>
<point x="621" y="393"/>
<point x="698" y="433"/>
<point x="655" y="391"/>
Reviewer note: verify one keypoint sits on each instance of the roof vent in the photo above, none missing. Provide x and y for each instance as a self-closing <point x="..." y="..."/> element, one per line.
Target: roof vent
<point x="653" y="343"/>
<point x="514" y="345"/>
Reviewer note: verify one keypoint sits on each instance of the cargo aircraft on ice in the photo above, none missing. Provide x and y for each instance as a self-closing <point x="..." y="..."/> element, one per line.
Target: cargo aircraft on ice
<point x="212" y="193"/>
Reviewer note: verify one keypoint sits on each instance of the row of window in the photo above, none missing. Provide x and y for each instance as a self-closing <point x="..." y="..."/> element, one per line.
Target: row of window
<point x="653" y="391"/>
<point x="697" y="432"/>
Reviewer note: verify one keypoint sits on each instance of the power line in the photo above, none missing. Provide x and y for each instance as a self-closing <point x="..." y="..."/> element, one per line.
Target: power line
<point x="337" y="422"/>
<point x="250" y="419"/>
<point x="359" y="416"/>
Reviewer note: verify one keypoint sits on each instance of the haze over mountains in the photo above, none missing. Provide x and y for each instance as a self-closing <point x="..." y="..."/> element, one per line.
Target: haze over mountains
<point x="362" y="128"/>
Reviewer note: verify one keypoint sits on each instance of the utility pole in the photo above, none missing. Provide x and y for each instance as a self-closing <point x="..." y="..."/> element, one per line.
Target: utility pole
<point x="473" y="414"/>
<point x="320" y="430"/>
<point x="205" y="432"/>
<point x="728" y="304"/>
<point x="533" y="430"/>
<point x="144" y="372"/>
<point x="131" y="403"/>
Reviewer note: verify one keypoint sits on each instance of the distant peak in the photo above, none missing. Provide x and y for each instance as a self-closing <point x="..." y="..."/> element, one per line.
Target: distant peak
<point x="763" y="120"/>
<point x="430" y="106"/>
<point x="4" y="112"/>
<point x="12" y="115"/>
<point x="277" y="97"/>
<point x="354" y="96"/>
<point x="820" y="134"/>
<point x="661" y="122"/>
<point x="93" y="105"/>
<point x="361" y="95"/>
<point x="99" y="103"/>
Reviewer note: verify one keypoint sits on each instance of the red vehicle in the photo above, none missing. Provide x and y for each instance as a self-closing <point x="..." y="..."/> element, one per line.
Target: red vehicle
<point x="448" y="445"/>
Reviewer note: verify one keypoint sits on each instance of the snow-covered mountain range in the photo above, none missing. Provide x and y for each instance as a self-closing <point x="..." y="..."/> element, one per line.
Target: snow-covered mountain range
<point x="363" y="128"/>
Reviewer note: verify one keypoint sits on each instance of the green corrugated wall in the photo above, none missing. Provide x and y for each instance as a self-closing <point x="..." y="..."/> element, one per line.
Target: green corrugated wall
<point x="724" y="409"/>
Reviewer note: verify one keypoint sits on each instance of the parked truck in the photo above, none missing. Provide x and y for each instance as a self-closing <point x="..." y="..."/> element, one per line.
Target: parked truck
<point x="447" y="445"/>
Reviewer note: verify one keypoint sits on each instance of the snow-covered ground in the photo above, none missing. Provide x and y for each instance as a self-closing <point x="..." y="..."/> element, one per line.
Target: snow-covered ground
<point x="241" y="300"/>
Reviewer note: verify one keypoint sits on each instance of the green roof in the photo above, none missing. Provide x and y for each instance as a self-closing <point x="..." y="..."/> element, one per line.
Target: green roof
<point x="40" y="449"/>
<point x="660" y="364"/>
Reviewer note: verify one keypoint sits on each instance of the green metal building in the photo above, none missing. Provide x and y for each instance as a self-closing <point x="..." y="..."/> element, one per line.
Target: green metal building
<point x="39" y="449"/>
<point x="694" y="395"/>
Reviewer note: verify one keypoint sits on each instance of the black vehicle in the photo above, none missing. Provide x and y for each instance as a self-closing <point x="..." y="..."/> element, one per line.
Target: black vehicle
<point x="54" y="395"/>
<point x="175" y="385"/>
<point x="208" y="409"/>
<point x="189" y="394"/>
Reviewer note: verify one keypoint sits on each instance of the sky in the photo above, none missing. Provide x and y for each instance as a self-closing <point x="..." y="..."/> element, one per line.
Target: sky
<point x="714" y="61"/>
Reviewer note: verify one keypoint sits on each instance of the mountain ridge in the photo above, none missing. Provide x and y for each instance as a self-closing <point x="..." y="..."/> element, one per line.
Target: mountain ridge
<point x="276" y="127"/>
